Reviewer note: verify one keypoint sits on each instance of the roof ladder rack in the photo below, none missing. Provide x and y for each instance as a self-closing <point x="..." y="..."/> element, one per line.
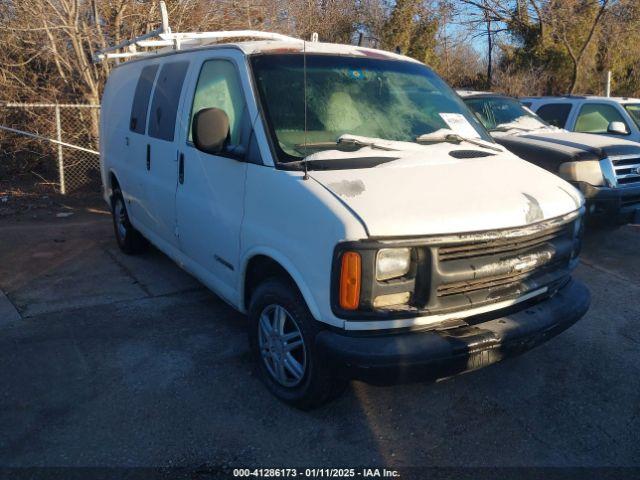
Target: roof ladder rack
<point x="163" y="37"/>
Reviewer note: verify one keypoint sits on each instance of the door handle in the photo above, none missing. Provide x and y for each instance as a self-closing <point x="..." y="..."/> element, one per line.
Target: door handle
<point x="181" y="169"/>
<point x="148" y="157"/>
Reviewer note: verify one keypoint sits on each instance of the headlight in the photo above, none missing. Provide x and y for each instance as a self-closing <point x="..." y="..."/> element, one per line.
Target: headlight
<point x="392" y="263"/>
<point x="589" y="171"/>
<point x="368" y="278"/>
<point x="391" y="299"/>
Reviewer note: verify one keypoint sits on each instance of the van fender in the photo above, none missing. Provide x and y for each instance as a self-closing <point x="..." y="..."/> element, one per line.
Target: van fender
<point x="290" y="269"/>
<point x="108" y="187"/>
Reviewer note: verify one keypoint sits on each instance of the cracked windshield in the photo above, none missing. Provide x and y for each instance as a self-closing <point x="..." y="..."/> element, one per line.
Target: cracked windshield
<point x="371" y="98"/>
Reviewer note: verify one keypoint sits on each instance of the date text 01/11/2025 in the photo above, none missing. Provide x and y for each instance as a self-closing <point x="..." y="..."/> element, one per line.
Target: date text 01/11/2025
<point x="315" y="473"/>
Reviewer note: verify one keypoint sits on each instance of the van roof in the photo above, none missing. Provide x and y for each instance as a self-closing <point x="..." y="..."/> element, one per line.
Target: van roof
<point x="279" y="46"/>
<point x="163" y="41"/>
<point x="256" y="47"/>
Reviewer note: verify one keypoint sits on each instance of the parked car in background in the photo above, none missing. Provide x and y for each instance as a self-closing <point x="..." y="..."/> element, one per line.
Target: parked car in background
<point x="613" y="116"/>
<point x="346" y="200"/>
<point x="606" y="170"/>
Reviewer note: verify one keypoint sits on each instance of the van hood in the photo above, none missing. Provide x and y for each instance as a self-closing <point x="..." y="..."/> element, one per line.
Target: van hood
<point x="566" y="146"/>
<point x="428" y="191"/>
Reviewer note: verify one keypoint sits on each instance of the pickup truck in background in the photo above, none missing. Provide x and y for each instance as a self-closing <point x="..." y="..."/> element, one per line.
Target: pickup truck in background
<point x="613" y="116"/>
<point x="606" y="170"/>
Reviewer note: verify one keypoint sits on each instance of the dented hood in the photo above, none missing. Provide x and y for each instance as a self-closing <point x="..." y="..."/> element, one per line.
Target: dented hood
<point x="430" y="192"/>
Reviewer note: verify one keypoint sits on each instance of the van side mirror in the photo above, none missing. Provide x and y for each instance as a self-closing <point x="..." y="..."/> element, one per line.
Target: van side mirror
<point x="619" y="128"/>
<point x="210" y="130"/>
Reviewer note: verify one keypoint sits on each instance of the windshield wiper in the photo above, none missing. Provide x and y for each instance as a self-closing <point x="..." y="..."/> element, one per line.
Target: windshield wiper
<point x="437" y="137"/>
<point x="342" y="163"/>
<point x="345" y="142"/>
<point x="337" y="145"/>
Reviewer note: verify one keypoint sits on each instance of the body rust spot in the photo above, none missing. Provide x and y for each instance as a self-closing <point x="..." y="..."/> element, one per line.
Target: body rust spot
<point x="348" y="188"/>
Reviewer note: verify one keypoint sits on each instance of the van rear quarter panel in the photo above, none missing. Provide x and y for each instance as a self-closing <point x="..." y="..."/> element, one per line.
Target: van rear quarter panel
<point x="114" y="123"/>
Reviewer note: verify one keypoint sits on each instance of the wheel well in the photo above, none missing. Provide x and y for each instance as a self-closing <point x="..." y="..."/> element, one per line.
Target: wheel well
<point x="113" y="183"/>
<point x="259" y="269"/>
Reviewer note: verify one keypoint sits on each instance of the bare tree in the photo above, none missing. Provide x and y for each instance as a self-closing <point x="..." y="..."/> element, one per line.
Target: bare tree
<point x="486" y="18"/>
<point x="577" y="52"/>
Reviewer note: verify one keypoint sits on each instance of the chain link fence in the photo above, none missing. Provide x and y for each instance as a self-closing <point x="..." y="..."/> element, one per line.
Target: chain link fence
<point x="61" y="138"/>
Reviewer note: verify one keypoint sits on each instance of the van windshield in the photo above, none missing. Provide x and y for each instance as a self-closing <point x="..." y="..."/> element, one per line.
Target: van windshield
<point x="367" y="97"/>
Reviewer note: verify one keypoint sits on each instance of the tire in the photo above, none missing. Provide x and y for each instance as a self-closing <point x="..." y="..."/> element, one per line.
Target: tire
<point x="129" y="239"/>
<point x="311" y="383"/>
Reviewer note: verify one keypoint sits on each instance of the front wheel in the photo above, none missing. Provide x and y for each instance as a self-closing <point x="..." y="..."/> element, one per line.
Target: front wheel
<point x="282" y="334"/>
<point x="129" y="239"/>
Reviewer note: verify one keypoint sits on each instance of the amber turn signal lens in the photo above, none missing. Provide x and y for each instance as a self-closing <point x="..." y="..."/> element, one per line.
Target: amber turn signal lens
<point x="350" y="281"/>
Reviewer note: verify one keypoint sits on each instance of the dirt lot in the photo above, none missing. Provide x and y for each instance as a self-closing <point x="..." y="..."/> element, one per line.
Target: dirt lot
<point x="122" y="361"/>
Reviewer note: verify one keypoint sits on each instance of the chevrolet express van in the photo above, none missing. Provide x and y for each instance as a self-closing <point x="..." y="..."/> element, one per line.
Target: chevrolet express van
<point x="347" y="201"/>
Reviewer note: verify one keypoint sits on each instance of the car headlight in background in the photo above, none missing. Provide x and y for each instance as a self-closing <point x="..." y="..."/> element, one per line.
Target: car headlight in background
<point x="594" y="172"/>
<point x="392" y="263"/>
<point x="588" y="171"/>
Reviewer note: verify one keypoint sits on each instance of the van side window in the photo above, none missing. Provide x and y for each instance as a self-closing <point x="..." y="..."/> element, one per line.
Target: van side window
<point x="596" y="117"/>
<point x="165" y="100"/>
<point x="555" y="114"/>
<point x="219" y="86"/>
<point x="138" y="121"/>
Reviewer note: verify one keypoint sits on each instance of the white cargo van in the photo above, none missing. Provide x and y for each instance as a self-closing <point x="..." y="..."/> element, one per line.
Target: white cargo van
<point x="346" y="200"/>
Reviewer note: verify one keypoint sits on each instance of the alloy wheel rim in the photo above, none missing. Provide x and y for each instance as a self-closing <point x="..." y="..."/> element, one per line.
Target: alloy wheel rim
<point x="282" y="346"/>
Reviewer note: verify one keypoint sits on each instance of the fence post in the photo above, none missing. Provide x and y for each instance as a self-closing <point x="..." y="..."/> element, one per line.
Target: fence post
<point x="63" y="189"/>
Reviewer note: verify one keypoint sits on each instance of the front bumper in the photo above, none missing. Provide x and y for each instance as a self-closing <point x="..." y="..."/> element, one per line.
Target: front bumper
<point x="611" y="205"/>
<point x="434" y="354"/>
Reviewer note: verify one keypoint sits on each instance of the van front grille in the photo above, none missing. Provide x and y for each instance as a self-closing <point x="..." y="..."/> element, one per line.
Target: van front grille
<point x="497" y="246"/>
<point x="479" y="284"/>
<point x="627" y="170"/>
<point x="486" y="267"/>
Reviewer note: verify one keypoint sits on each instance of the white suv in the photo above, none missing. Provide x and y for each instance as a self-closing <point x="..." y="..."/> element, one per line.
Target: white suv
<point x="614" y="116"/>
<point x="348" y="202"/>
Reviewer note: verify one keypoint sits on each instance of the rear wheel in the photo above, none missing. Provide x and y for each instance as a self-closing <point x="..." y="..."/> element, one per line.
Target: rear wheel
<point x="282" y="334"/>
<point x="129" y="239"/>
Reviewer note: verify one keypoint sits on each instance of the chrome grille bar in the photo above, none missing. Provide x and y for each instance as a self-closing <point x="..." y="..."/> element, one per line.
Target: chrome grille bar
<point x="627" y="170"/>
